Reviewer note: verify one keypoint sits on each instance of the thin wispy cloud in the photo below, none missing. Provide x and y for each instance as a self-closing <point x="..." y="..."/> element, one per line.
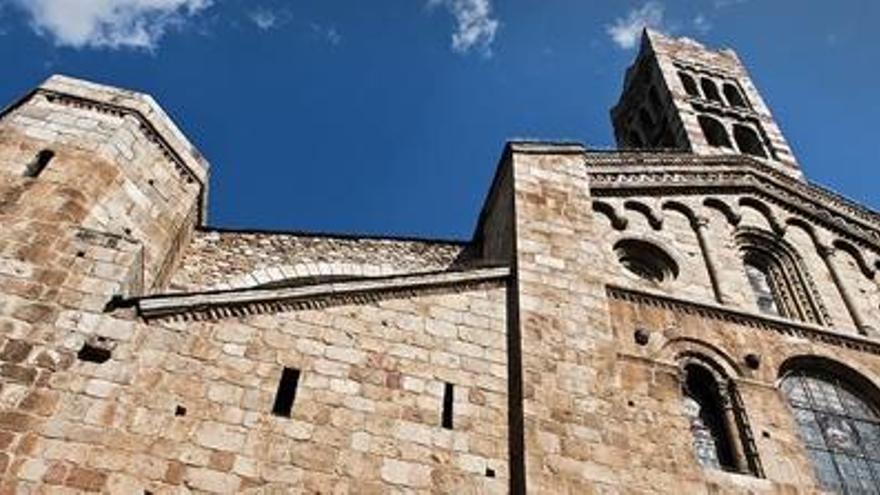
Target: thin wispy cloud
<point x="720" y="4"/>
<point x="702" y="24"/>
<point x="625" y="32"/>
<point x="326" y="33"/>
<point x="475" y="25"/>
<point x="109" y="23"/>
<point x="264" y="18"/>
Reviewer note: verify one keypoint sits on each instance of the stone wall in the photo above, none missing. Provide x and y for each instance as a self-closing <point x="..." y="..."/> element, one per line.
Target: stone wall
<point x="225" y="260"/>
<point x="188" y="404"/>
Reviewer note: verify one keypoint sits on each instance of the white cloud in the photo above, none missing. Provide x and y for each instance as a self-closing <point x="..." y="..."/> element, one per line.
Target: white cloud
<point x="475" y="26"/>
<point x="265" y="19"/>
<point x="626" y="31"/>
<point x="109" y="23"/>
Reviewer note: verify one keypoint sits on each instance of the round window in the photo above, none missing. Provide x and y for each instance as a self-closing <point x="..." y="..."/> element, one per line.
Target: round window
<point x="646" y="260"/>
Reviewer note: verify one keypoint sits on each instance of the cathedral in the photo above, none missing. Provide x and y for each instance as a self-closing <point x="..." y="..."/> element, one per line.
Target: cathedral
<point x="687" y="314"/>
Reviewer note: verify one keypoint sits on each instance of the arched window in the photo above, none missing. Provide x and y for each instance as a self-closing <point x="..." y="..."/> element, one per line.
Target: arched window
<point x="704" y="408"/>
<point x="760" y="280"/>
<point x="718" y="423"/>
<point x="710" y="90"/>
<point x="690" y="86"/>
<point x="778" y="278"/>
<point x="839" y="425"/>
<point x="733" y="96"/>
<point x="748" y="142"/>
<point x="714" y="131"/>
<point x="40" y="162"/>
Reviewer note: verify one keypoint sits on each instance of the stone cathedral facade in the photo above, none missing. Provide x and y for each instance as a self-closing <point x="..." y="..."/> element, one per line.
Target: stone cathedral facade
<point x="687" y="315"/>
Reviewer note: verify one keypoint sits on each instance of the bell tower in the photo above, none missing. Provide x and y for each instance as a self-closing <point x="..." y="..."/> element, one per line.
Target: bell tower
<point x="680" y="95"/>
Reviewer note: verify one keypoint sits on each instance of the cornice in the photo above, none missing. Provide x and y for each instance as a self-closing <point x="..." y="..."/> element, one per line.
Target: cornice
<point x="225" y="304"/>
<point x="622" y="174"/>
<point x="781" y="326"/>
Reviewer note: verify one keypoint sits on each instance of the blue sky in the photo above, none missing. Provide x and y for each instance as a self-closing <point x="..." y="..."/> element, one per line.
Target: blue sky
<point x="388" y="116"/>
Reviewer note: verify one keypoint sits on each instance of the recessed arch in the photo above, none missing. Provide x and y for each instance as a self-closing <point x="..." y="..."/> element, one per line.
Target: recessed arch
<point x="679" y="348"/>
<point x="765" y="211"/>
<point x="733" y="218"/>
<point x="617" y="222"/>
<point x="806" y="227"/>
<point x="857" y="256"/>
<point x="654" y="220"/>
<point x="679" y="207"/>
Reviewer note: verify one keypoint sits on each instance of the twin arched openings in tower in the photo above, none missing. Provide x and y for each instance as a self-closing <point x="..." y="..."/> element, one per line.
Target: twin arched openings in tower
<point x="747" y="140"/>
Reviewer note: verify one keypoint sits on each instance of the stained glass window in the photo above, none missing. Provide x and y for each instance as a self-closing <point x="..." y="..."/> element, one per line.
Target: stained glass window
<point x="840" y="429"/>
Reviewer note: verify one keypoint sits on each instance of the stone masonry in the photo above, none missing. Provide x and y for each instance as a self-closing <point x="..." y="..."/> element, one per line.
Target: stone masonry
<point x="555" y="352"/>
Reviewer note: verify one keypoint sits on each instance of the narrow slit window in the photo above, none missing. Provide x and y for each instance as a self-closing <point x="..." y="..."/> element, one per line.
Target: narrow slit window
<point x="286" y="392"/>
<point x="40" y="162"/>
<point x="448" y="399"/>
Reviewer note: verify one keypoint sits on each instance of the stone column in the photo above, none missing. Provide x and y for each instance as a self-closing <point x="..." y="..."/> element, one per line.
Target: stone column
<point x="829" y="254"/>
<point x="701" y="225"/>
<point x="733" y="433"/>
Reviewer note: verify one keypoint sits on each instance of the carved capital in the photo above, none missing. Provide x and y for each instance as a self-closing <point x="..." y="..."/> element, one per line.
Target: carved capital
<point x="701" y="222"/>
<point x="826" y="251"/>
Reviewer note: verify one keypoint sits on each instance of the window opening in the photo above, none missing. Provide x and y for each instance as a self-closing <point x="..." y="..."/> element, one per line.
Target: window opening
<point x="840" y="428"/>
<point x="448" y="400"/>
<point x="710" y="90"/>
<point x="748" y="141"/>
<point x="40" y="162"/>
<point x="286" y="393"/>
<point x="714" y="131"/>
<point x="734" y="97"/>
<point x="690" y="86"/>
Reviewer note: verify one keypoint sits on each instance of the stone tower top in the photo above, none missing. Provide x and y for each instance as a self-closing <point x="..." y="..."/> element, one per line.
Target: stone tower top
<point x="678" y="94"/>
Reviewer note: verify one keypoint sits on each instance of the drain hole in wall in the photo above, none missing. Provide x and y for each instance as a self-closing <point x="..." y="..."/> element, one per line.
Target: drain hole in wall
<point x="180" y="411"/>
<point x="490" y="473"/>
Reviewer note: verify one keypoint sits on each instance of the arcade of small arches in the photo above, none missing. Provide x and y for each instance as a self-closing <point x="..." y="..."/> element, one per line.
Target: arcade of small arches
<point x="836" y="409"/>
<point x="780" y="282"/>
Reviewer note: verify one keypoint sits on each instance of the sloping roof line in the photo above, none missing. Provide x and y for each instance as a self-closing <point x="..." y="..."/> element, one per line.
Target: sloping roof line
<point x="207" y="304"/>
